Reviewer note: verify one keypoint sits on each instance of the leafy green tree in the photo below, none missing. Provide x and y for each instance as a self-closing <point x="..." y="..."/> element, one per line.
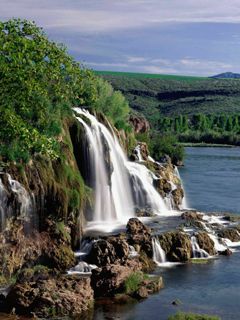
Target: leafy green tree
<point x="39" y="83"/>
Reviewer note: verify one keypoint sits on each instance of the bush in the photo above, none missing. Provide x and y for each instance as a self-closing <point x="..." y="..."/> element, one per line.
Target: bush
<point x="161" y="145"/>
<point x="39" y="84"/>
<point x="192" y="316"/>
<point x="133" y="281"/>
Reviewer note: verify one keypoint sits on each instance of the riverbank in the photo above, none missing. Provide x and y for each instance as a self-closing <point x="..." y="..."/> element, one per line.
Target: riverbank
<point x="206" y="145"/>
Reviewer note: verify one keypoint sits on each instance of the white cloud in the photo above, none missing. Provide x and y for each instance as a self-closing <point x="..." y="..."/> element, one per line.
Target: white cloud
<point x="184" y="66"/>
<point x="111" y="15"/>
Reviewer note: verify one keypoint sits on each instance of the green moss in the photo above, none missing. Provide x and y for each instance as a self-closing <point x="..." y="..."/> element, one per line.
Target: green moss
<point x="199" y="261"/>
<point x="192" y="316"/>
<point x="62" y="231"/>
<point x="133" y="282"/>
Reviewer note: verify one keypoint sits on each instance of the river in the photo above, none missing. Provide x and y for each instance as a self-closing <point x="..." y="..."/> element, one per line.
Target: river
<point x="211" y="178"/>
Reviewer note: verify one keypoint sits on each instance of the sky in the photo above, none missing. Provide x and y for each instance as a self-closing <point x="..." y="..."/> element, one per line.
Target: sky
<point x="188" y="37"/>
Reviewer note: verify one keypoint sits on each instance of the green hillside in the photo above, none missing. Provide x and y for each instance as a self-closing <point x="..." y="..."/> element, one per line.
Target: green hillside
<point x="174" y="95"/>
<point x="162" y="99"/>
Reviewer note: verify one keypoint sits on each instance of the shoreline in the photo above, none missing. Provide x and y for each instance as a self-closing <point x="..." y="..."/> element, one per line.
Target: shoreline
<point x="205" y="145"/>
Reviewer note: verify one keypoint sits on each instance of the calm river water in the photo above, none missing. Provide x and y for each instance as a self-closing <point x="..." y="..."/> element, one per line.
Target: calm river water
<point x="211" y="178"/>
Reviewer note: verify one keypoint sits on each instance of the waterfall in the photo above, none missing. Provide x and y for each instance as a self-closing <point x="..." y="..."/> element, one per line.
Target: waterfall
<point x="197" y="251"/>
<point x="25" y="205"/>
<point x="159" y="255"/>
<point x="138" y="153"/>
<point x="115" y="198"/>
<point x="184" y="200"/>
<point x="145" y="194"/>
<point x="4" y="209"/>
<point x="217" y="245"/>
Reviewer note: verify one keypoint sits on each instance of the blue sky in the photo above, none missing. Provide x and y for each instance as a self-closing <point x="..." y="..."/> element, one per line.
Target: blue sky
<point x="192" y="37"/>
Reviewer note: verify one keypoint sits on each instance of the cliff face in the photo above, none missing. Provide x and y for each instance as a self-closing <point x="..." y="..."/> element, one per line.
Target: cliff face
<point x="44" y="206"/>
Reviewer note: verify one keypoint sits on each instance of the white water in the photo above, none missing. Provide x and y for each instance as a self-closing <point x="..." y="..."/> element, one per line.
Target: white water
<point x="3" y="205"/>
<point x="197" y="251"/>
<point x="82" y="268"/>
<point x="113" y="193"/>
<point x="24" y="200"/>
<point x="138" y="153"/>
<point x="159" y="256"/>
<point x="184" y="200"/>
<point x="217" y="245"/>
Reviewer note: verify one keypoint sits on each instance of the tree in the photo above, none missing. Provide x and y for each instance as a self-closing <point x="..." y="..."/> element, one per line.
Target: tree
<point x="39" y="82"/>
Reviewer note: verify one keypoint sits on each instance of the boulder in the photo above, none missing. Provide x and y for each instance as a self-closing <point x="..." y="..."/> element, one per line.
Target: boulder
<point x="46" y="296"/>
<point x="205" y="243"/>
<point x="139" y="234"/>
<point x="191" y="215"/>
<point x="109" y="280"/>
<point x="177" y="246"/>
<point x="230" y="233"/>
<point x="108" y="251"/>
<point x="139" y="123"/>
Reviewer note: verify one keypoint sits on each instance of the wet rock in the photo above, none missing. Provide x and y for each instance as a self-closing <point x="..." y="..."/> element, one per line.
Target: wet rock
<point x="141" y="293"/>
<point x="231" y="234"/>
<point x="226" y="252"/>
<point x="192" y="215"/>
<point x="109" y="280"/>
<point x="177" y="246"/>
<point x="205" y="243"/>
<point x="51" y="296"/>
<point x="139" y="123"/>
<point x="111" y="250"/>
<point x="144" y="212"/>
<point x="139" y="234"/>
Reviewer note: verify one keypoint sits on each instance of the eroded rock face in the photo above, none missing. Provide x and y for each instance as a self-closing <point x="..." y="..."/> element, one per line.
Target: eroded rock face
<point x="19" y="249"/>
<point x="231" y="234"/>
<point x="205" y="243"/>
<point x="139" y="123"/>
<point x="45" y="295"/>
<point x="139" y="234"/>
<point x="111" y="250"/>
<point x="108" y="280"/>
<point x="177" y="246"/>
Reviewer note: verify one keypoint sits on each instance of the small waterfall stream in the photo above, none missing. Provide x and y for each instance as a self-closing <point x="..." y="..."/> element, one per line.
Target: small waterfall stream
<point x="197" y="251"/>
<point x="159" y="256"/>
<point x="184" y="200"/>
<point x="25" y="203"/>
<point x="119" y="184"/>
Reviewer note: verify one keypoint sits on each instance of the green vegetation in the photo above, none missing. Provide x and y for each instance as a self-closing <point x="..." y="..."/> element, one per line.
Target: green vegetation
<point x="198" y="110"/>
<point x="39" y="85"/>
<point x="133" y="282"/>
<point x="192" y="316"/>
<point x="149" y="75"/>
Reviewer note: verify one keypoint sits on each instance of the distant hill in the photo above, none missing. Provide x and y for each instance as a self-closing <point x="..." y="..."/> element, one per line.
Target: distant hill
<point x="227" y="75"/>
<point x="163" y="95"/>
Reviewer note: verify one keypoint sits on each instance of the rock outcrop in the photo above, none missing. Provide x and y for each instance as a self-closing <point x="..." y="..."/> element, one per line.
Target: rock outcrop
<point x="113" y="250"/>
<point x="177" y="246"/>
<point x="230" y="233"/>
<point x="139" y="235"/>
<point x="139" y="123"/>
<point x="39" y="292"/>
<point x="205" y="243"/>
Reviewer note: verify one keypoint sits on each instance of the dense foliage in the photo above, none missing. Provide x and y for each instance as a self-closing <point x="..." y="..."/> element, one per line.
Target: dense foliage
<point x="39" y="85"/>
<point x="208" y="128"/>
<point x="209" y="108"/>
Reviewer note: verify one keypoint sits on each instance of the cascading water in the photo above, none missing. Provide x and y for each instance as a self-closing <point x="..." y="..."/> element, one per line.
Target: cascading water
<point x="25" y="205"/>
<point x="197" y="251"/>
<point x="184" y="200"/>
<point x="115" y="199"/>
<point x="4" y="209"/>
<point x="159" y="255"/>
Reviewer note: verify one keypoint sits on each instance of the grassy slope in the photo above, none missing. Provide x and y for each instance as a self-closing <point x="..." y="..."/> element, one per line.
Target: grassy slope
<point x="170" y="95"/>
